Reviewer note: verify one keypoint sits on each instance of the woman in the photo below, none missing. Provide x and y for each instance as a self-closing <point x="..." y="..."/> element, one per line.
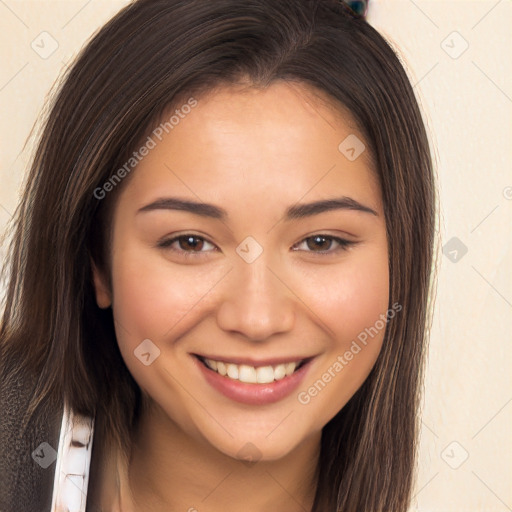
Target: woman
<point x="165" y="280"/>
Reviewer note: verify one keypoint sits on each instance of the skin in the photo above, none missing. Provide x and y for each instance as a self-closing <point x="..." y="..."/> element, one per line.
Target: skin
<point x="254" y="153"/>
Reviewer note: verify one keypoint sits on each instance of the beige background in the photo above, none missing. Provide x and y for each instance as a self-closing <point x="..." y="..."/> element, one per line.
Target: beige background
<point x="465" y="459"/>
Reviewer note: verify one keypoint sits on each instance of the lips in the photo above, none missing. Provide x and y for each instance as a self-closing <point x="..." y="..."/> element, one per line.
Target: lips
<point x="258" y="384"/>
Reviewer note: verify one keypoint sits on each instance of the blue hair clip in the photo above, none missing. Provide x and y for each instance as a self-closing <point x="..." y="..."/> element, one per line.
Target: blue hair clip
<point x="358" y="7"/>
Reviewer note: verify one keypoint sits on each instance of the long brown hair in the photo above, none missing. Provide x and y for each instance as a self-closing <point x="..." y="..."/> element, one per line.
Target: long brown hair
<point x="143" y="62"/>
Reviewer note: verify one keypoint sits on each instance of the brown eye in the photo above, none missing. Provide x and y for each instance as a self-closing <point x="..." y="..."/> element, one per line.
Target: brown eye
<point x="188" y="244"/>
<point x="323" y="243"/>
<point x="320" y="242"/>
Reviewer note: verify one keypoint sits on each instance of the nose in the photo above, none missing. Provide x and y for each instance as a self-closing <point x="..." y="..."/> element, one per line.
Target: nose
<point x="256" y="303"/>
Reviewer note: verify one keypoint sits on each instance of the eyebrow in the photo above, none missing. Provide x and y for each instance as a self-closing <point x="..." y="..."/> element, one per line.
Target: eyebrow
<point x="294" y="212"/>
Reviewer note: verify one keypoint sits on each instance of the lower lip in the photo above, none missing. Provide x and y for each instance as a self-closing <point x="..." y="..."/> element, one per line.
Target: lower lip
<point x="254" y="394"/>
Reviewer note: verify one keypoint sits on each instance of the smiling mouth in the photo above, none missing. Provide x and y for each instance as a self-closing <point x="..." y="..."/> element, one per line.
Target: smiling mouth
<point x="253" y="374"/>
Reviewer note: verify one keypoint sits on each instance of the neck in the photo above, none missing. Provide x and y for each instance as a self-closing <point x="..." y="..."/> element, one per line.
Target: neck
<point x="169" y="469"/>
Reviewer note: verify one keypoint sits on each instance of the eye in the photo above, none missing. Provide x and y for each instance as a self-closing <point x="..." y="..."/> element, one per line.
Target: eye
<point x="188" y="244"/>
<point x="324" y="242"/>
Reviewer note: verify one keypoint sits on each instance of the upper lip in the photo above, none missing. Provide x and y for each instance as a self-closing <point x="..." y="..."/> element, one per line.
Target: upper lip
<point x="256" y="363"/>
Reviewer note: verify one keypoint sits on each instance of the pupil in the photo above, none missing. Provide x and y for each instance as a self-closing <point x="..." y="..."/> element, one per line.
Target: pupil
<point x="319" y="239"/>
<point x="189" y="241"/>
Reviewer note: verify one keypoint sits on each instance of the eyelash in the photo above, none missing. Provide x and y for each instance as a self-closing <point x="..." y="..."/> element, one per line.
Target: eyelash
<point x="166" y="244"/>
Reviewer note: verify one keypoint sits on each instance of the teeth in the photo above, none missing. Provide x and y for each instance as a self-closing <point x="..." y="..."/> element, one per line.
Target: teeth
<point x="250" y="374"/>
<point x="280" y="372"/>
<point x="290" y="368"/>
<point x="221" y="367"/>
<point x="247" y="374"/>
<point x="265" y="375"/>
<point x="232" y="370"/>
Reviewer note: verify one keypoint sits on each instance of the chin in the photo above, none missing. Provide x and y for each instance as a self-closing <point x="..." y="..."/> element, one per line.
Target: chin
<point x="257" y="447"/>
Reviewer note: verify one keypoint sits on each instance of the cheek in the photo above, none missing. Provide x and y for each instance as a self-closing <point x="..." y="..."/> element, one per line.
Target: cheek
<point x="156" y="300"/>
<point x="150" y="294"/>
<point x="351" y="296"/>
<point x="352" y="303"/>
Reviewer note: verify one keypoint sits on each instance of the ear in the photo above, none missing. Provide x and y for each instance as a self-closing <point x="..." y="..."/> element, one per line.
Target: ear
<point x="103" y="295"/>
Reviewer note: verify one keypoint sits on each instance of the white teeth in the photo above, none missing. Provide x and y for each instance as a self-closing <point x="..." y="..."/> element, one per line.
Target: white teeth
<point x="290" y="368"/>
<point x="221" y="368"/>
<point x="247" y="374"/>
<point x="250" y="374"/>
<point x="279" y="372"/>
<point x="265" y="375"/>
<point x="232" y="370"/>
<point x="212" y="364"/>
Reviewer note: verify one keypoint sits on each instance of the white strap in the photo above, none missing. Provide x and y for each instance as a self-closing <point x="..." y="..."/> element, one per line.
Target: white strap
<point x="73" y="462"/>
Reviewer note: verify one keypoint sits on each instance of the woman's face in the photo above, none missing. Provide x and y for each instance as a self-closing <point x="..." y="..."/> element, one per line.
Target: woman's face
<point x="258" y="278"/>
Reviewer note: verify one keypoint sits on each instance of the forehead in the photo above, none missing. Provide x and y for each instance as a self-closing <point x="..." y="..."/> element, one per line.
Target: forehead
<point x="240" y="145"/>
